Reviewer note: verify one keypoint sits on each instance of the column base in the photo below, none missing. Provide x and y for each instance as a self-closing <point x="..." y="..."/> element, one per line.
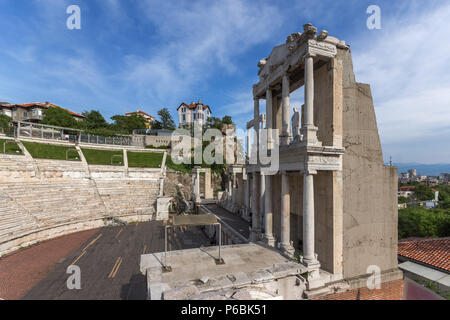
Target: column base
<point x="287" y="249"/>
<point x="255" y="235"/>
<point x="310" y="263"/>
<point x="284" y="140"/>
<point x="309" y="134"/>
<point x="269" y="240"/>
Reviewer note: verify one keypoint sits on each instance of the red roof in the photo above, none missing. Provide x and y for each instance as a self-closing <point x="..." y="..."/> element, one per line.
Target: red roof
<point x="140" y="112"/>
<point x="194" y="105"/>
<point x="71" y="112"/>
<point x="43" y="105"/>
<point x="433" y="252"/>
<point x="407" y="188"/>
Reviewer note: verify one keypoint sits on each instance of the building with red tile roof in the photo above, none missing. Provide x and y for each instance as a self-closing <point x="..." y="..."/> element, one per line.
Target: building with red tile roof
<point x="195" y="112"/>
<point x="32" y="112"/>
<point x="149" y="119"/>
<point x="434" y="253"/>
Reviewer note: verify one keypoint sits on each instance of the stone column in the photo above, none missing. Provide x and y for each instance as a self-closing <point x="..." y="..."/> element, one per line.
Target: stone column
<point x="284" y="137"/>
<point x="309" y="256"/>
<point x="230" y="186"/>
<point x="269" y="100"/>
<point x="247" y="196"/>
<point x="197" y="187"/>
<point x="262" y="195"/>
<point x="256" y="127"/>
<point x="234" y="192"/>
<point x="268" y="214"/>
<point x="255" y="209"/>
<point x="285" y="243"/>
<point x="309" y="131"/>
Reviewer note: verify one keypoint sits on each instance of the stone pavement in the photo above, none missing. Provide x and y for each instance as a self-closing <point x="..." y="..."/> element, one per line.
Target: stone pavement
<point x="195" y="272"/>
<point x="21" y="270"/>
<point x="109" y="263"/>
<point x="233" y="220"/>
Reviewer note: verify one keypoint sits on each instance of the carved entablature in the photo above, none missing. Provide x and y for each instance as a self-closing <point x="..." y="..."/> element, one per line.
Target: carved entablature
<point x="290" y="55"/>
<point x="321" y="48"/>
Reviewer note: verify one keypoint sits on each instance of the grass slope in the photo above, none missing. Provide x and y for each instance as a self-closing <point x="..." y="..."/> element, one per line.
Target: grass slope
<point x="145" y="159"/>
<point x="103" y="157"/>
<point x="48" y="151"/>
<point x="10" y="147"/>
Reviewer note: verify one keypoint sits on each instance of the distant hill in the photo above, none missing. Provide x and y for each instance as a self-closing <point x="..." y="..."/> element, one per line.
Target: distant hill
<point x="424" y="169"/>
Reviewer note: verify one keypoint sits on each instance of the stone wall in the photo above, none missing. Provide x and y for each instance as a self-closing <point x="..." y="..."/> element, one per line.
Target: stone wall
<point x="369" y="187"/>
<point x="42" y="199"/>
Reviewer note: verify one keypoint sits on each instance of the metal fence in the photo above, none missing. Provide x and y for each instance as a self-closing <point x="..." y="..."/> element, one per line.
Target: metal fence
<point x="40" y="131"/>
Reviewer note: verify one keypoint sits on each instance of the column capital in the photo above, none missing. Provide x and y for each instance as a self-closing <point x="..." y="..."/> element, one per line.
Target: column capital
<point x="309" y="55"/>
<point x="309" y="171"/>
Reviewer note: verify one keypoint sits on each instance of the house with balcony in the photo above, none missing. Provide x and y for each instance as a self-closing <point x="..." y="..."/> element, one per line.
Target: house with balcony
<point x="193" y="113"/>
<point x="32" y="112"/>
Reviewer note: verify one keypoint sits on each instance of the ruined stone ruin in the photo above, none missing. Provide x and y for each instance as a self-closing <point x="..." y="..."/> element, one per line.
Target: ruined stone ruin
<point x="333" y="201"/>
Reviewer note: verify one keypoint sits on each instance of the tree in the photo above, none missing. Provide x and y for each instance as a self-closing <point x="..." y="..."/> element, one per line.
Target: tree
<point x="4" y="122"/>
<point x="126" y="124"/>
<point x="423" y="193"/>
<point x="166" y="119"/>
<point x="403" y="200"/>
<point x="227" y="120"/>
<point x="94" y="120"/>
<point x="59" y="117"/>
<point x="214" y="123"/>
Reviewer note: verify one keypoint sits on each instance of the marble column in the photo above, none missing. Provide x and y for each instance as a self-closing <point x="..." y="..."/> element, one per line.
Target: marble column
<point x="268" y="214"/>
<point x="197" y="187"/>
<point x="262" y="195"/>
<point x="309" y="131"/>
<point x="255" y="209"/>
<point x="256" y="128"/>
<point x="284" y="137"/>
<point x="309" y="256"/>
<point x="285" y="243"/>
<point x="247" y="196"/>
<point x="234" y="192"/>
<point x="269" y="110"/>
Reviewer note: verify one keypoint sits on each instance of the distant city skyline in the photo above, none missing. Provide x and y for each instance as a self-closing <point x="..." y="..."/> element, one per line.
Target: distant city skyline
<point x="151" y="54"/>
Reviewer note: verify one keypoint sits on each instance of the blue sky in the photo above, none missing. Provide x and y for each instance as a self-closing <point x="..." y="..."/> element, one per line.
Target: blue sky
<point x="137" y="54"/>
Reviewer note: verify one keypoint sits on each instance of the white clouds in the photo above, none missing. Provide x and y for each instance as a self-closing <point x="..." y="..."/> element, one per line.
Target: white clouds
<point x="407" y="66"/>
<point x="199" y="39"/>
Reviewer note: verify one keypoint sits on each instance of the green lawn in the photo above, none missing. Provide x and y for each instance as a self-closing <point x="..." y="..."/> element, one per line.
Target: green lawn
<point x="48" y="151"/>
<point x="9" y="147"/>
<point x="145" y="159"/>
<point x="103" y="157"/>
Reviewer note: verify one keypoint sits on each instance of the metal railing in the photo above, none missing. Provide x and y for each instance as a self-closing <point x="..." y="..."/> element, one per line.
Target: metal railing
<point x="41" y="131"/>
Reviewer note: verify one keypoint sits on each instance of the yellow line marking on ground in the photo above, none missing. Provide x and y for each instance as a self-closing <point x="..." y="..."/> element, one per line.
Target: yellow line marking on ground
<point x="118" y="233"/>
<point x="75" y="261"/>
<point x="92" y="242"/>
<point x="145" y="248"/>
<point x="115" y="265"/>
<point x="117" y="269"/>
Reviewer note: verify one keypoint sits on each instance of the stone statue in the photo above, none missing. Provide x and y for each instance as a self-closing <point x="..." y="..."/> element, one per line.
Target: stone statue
<point x="296" y="125"/>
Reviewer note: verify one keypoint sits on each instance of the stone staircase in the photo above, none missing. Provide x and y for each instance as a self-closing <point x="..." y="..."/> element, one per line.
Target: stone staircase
<point x="52" y="204"/>
<point x="13" y="219"/>
<point x="129" y="197"/>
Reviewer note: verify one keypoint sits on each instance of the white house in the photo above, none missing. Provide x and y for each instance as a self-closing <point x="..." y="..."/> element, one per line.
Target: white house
<point x="196" y="112"/>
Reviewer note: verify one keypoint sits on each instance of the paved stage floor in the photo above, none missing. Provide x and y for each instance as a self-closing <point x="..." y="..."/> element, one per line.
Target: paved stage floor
<point x="109" y="262"/>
